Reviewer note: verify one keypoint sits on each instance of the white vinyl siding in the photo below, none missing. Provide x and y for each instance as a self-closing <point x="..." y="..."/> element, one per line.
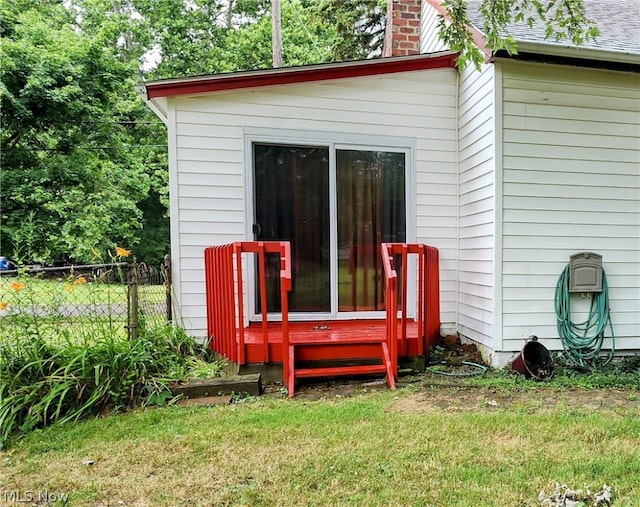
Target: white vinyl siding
<point x="429" y="40"/>
<point x="210" y="162"/>
<point x="476" y="306"/>
<point x="571" y="183"/>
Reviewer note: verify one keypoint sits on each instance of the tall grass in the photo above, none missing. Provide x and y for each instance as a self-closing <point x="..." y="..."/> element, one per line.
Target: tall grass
<point x="54" y="368"/>
<point x="44" y="381"/>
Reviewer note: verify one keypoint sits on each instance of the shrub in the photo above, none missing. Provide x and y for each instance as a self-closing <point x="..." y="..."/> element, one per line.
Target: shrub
<point x="44" y="381"/>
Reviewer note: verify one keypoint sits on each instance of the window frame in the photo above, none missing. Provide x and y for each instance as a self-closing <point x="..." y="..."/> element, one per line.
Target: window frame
<point x="333" y="141"/>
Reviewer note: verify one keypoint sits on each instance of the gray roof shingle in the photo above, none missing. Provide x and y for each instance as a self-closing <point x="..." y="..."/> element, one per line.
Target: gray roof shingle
<point x="617" y="20"/>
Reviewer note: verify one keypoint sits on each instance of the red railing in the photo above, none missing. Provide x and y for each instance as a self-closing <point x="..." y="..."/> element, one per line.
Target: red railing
<point x="220" y="293"/>
<point x="428" y="297"/>
<point x="225" y="296"/>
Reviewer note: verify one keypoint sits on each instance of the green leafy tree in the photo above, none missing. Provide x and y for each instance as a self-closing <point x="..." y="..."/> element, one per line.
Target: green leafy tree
<point x="188" y="36"/>
<point x="207" y="36"/>
<point x="71" y="174"/>
<point x="355" y="28"/>
<point x="562" y="20"/>
<point x="83" y="160"/>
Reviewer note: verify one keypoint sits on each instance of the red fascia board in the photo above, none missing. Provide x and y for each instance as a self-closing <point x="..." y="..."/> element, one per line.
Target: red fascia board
<point x="295" y="75"/>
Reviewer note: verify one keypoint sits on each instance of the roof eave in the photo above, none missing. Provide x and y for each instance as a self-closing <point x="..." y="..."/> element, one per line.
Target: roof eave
<point x="581" y="52"/>
<point x="571" y="55"/>
<point x="296" y="75"/>
<point x="158" y="106"/>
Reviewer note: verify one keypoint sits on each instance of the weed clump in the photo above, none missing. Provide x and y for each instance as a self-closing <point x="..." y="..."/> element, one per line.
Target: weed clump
<point x="45" y="381"/>
<point x="623" y="372"/>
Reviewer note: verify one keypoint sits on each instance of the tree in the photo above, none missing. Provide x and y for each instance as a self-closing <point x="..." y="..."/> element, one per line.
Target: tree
<point x="72" y="172"/>
<point x="83" y="160"/>
<point x="209" y="36"/>
<point x="356" y="27"/>
<point x="562" y="19"/>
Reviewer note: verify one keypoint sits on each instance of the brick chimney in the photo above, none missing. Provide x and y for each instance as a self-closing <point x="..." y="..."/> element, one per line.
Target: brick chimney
<point x="402" y="33"/>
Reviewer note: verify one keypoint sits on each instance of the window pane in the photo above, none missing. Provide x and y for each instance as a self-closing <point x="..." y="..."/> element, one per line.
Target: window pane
<point x="291" y="188"/>
<point x="371" y="210"/>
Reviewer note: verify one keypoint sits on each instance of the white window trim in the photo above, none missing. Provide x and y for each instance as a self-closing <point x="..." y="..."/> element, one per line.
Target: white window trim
<point x="332" y="141"/>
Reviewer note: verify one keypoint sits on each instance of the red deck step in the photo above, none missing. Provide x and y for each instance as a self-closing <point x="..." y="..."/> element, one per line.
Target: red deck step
<point x="311" y="341"/>
<point x="347" y="347"/>
<point x="336" y="371"/>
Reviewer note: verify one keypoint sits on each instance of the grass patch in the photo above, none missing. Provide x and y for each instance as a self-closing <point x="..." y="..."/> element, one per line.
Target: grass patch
<point x="78" y="305"/>
<point x="65" y="352"/>
<point x="623" y="373"/>
<point x="52" y="309"/>
<point x="78" y="290"/>
<point x="362" y="450"/>
<point x="45" y="380"/>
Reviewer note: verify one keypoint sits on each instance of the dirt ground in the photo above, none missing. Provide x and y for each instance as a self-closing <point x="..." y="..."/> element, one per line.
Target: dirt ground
<point x="467" y="398"/>
<point x="436" y="392"/>
<point x="430" y="392"/>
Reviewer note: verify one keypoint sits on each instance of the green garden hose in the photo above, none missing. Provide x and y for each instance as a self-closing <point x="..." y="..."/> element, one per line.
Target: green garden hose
<point x="582" y="342"/>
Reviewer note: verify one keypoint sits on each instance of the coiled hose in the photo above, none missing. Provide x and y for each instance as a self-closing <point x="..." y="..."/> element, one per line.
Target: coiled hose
<point x="582" y="342"/>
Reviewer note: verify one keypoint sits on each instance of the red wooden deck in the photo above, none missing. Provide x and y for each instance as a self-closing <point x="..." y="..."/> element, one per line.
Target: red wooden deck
<point x="324" y="333"/>
<point x="294" y="343"/>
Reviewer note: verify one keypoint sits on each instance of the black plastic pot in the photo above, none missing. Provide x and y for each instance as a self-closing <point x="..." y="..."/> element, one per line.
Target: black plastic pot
<point x="534" y="361"/>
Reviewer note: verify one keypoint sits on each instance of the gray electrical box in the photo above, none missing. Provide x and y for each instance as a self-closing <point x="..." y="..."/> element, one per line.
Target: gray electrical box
<point x="585" y="272"/>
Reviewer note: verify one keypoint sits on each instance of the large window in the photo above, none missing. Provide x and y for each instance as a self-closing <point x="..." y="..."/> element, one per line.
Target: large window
<point x="335" y="205"/>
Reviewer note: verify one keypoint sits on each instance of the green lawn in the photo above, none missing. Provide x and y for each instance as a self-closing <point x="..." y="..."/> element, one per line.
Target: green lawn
<point x="30" y="290"/>
<point x="75" y="304"/>
<point x="417" y="446"/>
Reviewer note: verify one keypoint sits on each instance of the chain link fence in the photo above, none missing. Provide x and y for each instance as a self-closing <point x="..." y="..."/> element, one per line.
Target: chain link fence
<point x="121" y="297"/>
<point x="148" y="295"/>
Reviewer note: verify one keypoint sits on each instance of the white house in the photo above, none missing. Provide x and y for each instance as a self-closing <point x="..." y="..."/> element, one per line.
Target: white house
<point x="507" y="171"/>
